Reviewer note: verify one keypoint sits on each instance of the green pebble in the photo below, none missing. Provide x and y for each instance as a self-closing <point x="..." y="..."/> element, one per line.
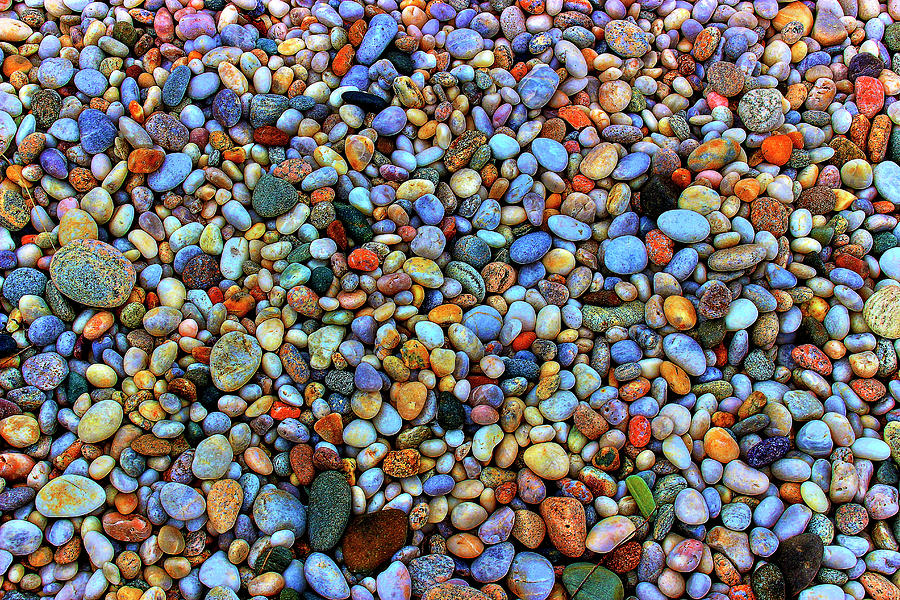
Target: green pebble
<point x="767" y="582"/>
<point x="720" y="389"/>
<point x="822" y="526"/>
<point x="758" y="365"/>
<point x="450" y="411"/>
<point x="480" y="158"/>
<point x="299" y="254"/>
<point x="668" y="487"/>
<point x="833" y="576"/>
<point x="329" y="510"/>
<point x="132" y="315"/>
<point x="125" y="33"/>
<point x="894" y="144"/>
<point x="59" y="304"/>
<point x="320" y="280"/>
<point x="884" y="241"/>
<point x="193" y="433"/>
<point x="892" y="37"/>
<point x="637" y="102"/>
<point x="426" y="173"/>
<point x="358" y="228"/>
<point x="665" y="519"/>
<point x="711" y="333"/>
<point x="467" y="275"/>
<point x="586" y="581"/>
<point x="642" y="495"/>
<point x="492" y="476"/>
<point x="402" y="61"/>
<point x="815" y="330"/>
<point x="411" y="438"/>
<point x="338" y="317"/>
<point x="76" y="385"/>
<point x="600" y="318"/>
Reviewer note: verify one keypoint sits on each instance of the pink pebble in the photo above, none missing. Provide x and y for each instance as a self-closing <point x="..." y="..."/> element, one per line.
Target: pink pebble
<point x="714" y="177"/>
<point x="714" y="100"/>
<point x="65" y="205"/>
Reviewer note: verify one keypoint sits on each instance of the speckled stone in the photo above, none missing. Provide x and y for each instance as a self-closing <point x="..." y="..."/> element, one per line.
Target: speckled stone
<point x="760" y="110"/>
<point x="93" y="273"/>
<point x="14" y="212"/>
<point x="329" y="510"/>
<point x="273" y="197"/>
<point x="234" y="359"/>
<point x="373" y="538"/>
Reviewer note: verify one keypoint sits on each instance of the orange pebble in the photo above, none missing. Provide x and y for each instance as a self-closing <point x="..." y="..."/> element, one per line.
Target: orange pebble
<point x="747" y="189"/>
<point x="188" y="327"/>
<point x="790" y="492"/>
<point x="553" y="201"/>
<point x="15" y="63"/>
<point x="776" y="149"/>
<point x="722" y="419"/>
<point x="524" y="340"/>
<point x="126" y="503"/>
<point x="681" y="177"/>
<point x="98" y="325"/>
<point x="720" y="446"/>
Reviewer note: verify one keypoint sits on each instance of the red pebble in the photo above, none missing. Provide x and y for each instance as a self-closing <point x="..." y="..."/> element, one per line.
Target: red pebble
<point x="407" y="233"/>
<point x="713" y="100"/>
<point x="870" y="390"/>
<point x="869" y="95"/>
<point x="639" y="431"/>
<point x="363" y="259"/>
<point x="660" y="248"/>
<point x="524" y="340"/>
<point x="582" y="184"/>
<point x="810" y="357"/>
<point x="269" y="135"/>
<point x="281" y="411"/>
<point x="336" y="231"/>
<point x="741" y="592"/>
<point x="448" y="227"/>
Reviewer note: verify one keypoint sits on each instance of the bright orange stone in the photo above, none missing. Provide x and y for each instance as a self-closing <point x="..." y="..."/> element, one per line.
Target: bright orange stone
<point x="776" y="149"/>
<point x="145" y="160"/>
<point x="720" y="446"/>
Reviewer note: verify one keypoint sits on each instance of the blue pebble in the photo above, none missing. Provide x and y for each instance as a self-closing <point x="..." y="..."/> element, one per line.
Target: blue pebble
<point x="45" y="330"/>
<point x="530" y="247"/>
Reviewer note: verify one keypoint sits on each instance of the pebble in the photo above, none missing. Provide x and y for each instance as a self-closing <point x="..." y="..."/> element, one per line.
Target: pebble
<point x="69" y="496"/>
<point x="449" y="301"/>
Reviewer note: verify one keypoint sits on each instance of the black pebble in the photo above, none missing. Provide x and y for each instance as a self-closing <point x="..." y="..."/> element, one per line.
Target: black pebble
<point x="367" y="102"/>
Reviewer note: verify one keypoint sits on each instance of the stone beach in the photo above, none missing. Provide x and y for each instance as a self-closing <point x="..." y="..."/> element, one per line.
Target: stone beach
<point x="449" y="300"/>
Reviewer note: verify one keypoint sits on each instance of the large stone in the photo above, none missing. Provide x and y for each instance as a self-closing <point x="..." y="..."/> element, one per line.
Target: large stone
<point x="93" y="273"/>
<point x="887" y="180"/>
<point x="100" y="421"/>
<point x="373" y="538"/>
<point x="234" y="359"/>
<point x="69" y="496"/>
<point x="586" y="581"/>
<point x="882" y="314"/>
<point x="272" y="197"/>
<point x="799" y="559"/>
<point x="538" y="86"/>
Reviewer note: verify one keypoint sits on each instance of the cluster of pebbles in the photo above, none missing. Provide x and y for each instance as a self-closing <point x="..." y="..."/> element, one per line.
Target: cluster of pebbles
<point x="449" y="300"/>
